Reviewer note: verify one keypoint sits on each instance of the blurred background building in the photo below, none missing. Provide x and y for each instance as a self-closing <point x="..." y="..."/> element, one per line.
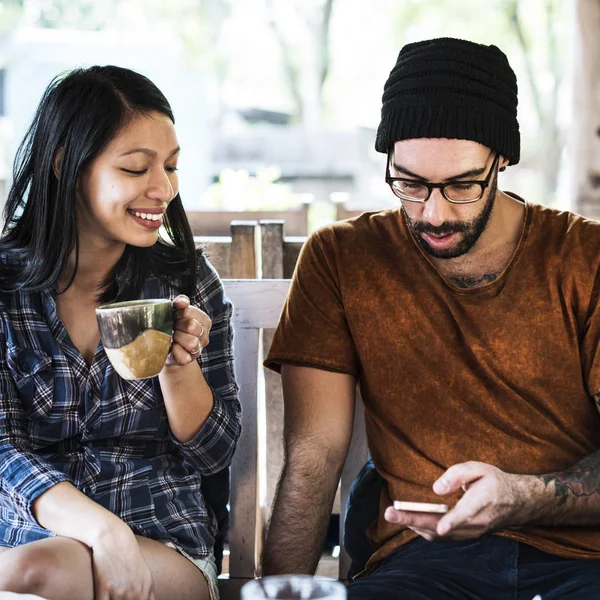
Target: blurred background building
<point x="277" y="101"/>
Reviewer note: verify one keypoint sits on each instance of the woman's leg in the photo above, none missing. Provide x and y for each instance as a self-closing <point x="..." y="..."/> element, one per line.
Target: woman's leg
<point x="174" y="576"/>
<point x="53" y="568"/>
<point x="61" y="568"/>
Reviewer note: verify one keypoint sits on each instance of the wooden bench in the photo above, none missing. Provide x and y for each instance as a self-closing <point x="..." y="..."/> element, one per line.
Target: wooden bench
<point x="257" y="306"/>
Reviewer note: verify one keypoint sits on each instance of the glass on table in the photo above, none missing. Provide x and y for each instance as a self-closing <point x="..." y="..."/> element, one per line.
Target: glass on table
<point x="294" y="587"/>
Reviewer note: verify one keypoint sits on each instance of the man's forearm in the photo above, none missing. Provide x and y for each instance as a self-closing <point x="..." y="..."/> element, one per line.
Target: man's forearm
<point x="571" y="496"/>
<point x="300" y="517"/>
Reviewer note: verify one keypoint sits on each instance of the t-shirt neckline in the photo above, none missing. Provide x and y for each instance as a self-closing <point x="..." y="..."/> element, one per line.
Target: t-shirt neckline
<point x="504" y="272"/>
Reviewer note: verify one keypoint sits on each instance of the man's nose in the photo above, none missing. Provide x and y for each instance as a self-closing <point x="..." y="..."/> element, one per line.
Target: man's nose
<point x="437" y="209"/>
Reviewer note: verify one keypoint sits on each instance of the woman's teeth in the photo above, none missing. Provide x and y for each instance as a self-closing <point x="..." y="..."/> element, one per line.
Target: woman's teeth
<point x="148" y="216"/>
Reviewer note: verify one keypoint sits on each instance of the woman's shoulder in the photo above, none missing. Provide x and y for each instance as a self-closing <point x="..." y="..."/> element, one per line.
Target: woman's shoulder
<point x="209" y="287"/>
<point x="207" y="281"/>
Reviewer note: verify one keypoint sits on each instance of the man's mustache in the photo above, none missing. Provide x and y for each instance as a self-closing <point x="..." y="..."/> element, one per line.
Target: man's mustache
<point x="443" y="229"/>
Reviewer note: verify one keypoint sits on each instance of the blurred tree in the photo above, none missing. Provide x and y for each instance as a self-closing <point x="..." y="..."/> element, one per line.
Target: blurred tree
<point x="533" y="34"/>
<point x="10" y="14"/>
<point x="311" y="62"/>
<point x="545" y="96"/>
<point x="585" y="148"/>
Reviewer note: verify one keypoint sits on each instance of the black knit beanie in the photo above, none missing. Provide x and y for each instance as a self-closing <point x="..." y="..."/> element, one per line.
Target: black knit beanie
<point x="450" y="88"/>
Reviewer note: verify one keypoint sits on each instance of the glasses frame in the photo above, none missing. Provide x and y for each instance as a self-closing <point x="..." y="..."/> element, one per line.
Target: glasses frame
<point x="482" y="183"/>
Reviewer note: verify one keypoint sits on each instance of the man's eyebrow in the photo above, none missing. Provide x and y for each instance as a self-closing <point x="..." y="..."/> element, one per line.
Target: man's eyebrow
<point x="148" y="152"/>
<point x="471" y="173"/>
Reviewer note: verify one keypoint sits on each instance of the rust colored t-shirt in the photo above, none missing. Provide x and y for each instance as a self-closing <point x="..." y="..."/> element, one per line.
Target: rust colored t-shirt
<point x="501" y="374"/>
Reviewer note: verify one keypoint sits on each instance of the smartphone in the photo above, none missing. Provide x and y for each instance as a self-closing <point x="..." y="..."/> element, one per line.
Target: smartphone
<point x="421" y="507"/>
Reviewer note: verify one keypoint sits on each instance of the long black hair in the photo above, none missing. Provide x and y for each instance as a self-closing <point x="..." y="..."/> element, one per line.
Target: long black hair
<point x="80" y="113"/>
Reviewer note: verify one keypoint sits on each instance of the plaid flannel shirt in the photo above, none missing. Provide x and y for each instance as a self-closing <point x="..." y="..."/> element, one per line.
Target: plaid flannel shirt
<point x="61" y="420"/>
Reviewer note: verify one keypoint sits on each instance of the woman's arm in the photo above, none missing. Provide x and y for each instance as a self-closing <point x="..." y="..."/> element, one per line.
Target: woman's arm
<point x="37" y="492"/>
<point x="201" y="396"/>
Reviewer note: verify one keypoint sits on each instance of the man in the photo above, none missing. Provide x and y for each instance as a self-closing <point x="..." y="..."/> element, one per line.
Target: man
<point x="469" y="319"/>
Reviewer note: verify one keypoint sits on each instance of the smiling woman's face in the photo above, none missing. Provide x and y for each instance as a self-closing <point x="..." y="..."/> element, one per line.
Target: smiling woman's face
<point x="126" y="190"/>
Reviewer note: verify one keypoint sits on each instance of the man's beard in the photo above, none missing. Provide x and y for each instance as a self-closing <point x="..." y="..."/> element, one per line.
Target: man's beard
<point x="471" y="230"/>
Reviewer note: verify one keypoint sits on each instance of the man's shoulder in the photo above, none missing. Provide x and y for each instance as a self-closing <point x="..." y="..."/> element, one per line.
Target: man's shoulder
<point x="363" y="228"/>
<point x="570" y="230"/>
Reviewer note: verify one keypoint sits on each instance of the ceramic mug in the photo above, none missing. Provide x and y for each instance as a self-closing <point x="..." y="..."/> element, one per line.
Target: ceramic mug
<point x="136" y="336"/>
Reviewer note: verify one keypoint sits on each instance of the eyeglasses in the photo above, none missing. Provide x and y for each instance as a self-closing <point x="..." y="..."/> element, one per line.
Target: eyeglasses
<point x="459" y="192"/>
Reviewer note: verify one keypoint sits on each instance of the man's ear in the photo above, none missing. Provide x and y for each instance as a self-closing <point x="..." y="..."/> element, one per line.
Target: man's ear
<point x="56" y="162"/>
<point x="502" y="163"/>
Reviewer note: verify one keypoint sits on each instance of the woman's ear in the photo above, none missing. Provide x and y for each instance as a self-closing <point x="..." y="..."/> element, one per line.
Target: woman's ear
<point x="56" y="162"/>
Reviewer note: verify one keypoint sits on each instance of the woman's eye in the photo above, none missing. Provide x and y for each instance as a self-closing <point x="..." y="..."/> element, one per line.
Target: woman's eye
<point x="134" y="172"/>
<point x="171" y="169"/>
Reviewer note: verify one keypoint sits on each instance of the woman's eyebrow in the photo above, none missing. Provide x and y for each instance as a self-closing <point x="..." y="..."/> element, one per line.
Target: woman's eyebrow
<point x="148" y="152"/>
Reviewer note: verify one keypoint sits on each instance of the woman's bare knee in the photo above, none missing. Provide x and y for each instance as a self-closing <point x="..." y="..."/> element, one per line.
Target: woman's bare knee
<point x="51" y="570"/>
<point x="25" y="569"/>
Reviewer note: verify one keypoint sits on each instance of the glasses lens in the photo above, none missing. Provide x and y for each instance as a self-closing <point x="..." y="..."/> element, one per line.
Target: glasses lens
<point x="410" y="190"/>
<point x="466" y="192"/>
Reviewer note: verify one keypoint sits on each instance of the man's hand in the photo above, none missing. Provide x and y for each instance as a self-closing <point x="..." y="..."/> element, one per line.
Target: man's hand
<point x="492" y="500"/>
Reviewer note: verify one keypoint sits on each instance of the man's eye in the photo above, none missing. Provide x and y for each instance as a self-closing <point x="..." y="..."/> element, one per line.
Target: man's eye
<point x="410" y="186"/>
<point x="463" y="187"/>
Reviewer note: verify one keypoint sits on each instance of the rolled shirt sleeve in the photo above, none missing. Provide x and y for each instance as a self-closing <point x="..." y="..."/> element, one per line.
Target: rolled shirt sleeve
<point x="212" y="448"/>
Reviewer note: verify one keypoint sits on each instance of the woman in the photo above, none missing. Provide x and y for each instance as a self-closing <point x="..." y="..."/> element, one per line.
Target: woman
<point x="100" y="477"/>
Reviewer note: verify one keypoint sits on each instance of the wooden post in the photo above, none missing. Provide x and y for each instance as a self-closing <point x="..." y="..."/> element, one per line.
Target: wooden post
<point x="272" y="268"/>
<point x="586" y="96"/>
<point x="272" y="249"/>
<point x="244" y="250"/>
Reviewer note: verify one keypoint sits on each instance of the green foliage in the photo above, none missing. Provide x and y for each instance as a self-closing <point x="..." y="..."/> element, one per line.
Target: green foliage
<point x="239" y="190"/>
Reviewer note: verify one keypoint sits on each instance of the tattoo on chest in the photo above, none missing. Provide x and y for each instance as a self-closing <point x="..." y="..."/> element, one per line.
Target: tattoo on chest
<point x="470" y="281"/>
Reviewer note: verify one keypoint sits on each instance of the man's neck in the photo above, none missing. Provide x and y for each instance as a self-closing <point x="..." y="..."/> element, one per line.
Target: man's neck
<point x="493" y="251"/>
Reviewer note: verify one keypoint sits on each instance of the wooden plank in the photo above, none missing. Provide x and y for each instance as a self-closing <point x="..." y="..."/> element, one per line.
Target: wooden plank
<point x="257" y="302"/>
<point x="358" y="454"/>
<point x="244" y="262"/>
<point x="272" y="268"/>
<point x="291" y="250"/>
<point x="217" y="223"/>
<point x="246" y="519"/>
<point x="342" y="213"/>
<point x="272" y="249"/>
<point x="218" y="252"/>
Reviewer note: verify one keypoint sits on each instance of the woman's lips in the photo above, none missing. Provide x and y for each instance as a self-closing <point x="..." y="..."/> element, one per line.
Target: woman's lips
<point x="149" y="220"/>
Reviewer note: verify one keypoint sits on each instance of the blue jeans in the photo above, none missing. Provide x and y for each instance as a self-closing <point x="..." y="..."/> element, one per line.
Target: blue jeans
<point x="490" y="568"/>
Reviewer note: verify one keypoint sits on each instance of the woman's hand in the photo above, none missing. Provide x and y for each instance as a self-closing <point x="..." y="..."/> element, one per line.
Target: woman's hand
<point x="191" y="328"/>
<point x="120" y="572"/>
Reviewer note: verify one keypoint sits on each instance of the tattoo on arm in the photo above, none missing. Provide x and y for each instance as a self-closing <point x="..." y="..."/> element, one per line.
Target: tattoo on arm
<point x="580" y="480"/>
<point x="583" y="479"/>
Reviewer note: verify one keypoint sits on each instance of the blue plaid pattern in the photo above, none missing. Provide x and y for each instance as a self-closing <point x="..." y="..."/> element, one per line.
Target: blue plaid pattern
<point x="62" y="421"/>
